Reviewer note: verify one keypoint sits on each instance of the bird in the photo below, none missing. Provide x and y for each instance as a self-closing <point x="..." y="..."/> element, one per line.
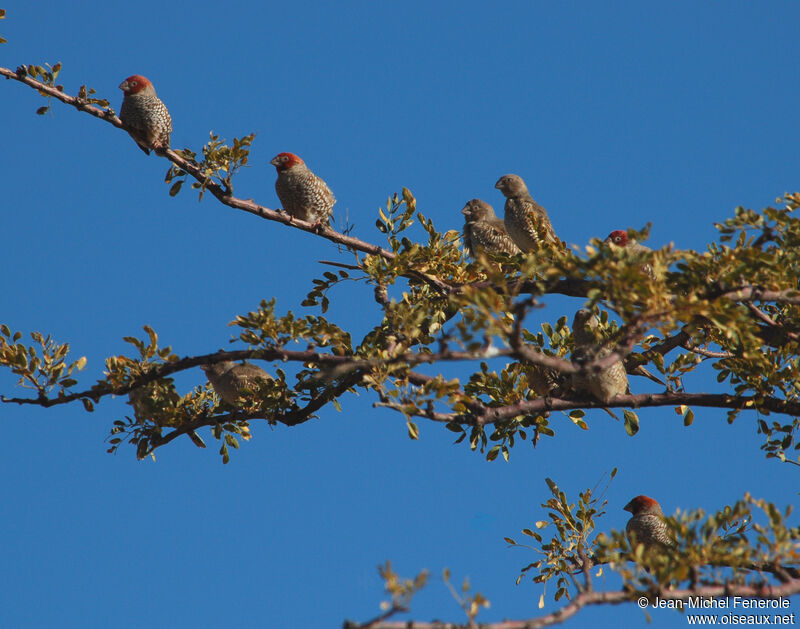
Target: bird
<point x="303" y="195"/>
<point x="546" y="381"/>
<point x="145" y="117"/>
<point x="606" y="383"/>
<point x="647" y="525"/>
<point x="619" y="237"/>
<point x="526" y="221"/>
<point x="231" y="380"/>
<point x="483" y="231"/>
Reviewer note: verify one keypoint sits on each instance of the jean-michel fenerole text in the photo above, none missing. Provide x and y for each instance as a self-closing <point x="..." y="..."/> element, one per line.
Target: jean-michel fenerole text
<point x="734" y="602"/>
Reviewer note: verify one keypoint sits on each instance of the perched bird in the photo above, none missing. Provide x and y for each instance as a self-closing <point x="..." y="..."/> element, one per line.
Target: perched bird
<point x="647" y="525"/>
<point x="230" y="379"/>
<point x="526" y="221"/>
<point x="609" y="381"/>
<point x="303" y="195"/>
<point x="546" y="381"/>
<point x="483" y="231"/>
<point x="619" y="237"/>
<point x="145" y="117"/>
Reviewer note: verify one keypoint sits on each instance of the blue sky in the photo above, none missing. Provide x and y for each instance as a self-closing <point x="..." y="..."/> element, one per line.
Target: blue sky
<point x="616" y="114"/>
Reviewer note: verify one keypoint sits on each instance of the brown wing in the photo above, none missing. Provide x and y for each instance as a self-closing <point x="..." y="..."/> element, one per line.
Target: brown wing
<point x="490" y="236"/>
<point x="538" y="222"/>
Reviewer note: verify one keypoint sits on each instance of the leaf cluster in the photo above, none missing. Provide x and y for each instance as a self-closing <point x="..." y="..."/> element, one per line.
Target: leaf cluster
<point x="219" y="164"/>
<point x="42" y="366"/>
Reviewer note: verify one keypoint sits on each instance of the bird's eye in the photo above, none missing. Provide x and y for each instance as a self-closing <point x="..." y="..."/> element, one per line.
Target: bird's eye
<point x="134" y="83"/>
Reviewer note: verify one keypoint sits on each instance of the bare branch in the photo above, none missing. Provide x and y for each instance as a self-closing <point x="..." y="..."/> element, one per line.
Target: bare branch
<point x="705" y="352"/>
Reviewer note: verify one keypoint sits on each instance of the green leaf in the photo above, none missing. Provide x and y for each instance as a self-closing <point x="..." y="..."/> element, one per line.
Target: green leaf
<point x="631" y="422"/>
<point x="576" y="416"/>
<point x="413" y="431"/>
<point x="579" y="423"/>
<point x="196" y="440"/>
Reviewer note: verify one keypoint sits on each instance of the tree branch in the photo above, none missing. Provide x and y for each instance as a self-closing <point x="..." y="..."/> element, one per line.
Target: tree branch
<point x="219" y="191"/>
<point x="162" y="370"/>
<point x="539" y="405"/>
<point x="570" y="286"/>
<point x="615" y="597"/>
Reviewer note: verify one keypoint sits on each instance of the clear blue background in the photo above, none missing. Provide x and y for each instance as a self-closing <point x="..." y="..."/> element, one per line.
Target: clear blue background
<point x="615" y="113"/>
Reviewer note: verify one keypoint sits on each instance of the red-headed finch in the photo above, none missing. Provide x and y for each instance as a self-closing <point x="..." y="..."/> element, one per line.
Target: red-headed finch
<point x="303" y="195"/>
<point x="145" y="117"/>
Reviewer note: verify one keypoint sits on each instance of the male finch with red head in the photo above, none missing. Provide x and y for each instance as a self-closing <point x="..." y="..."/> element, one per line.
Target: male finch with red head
<point x="303" y="195"/>
<point x="647" y="525"/>
<point x="619" y="237"/>
<point x="145" y="117"/>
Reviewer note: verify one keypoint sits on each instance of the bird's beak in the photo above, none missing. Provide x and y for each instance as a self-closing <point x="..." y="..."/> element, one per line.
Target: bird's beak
<point x="628" y="507"/>
<point x="465" y="211"/>
<point x="497" y="185"/>
<point x="124" y="86"/>
<point x="274" y="162"/>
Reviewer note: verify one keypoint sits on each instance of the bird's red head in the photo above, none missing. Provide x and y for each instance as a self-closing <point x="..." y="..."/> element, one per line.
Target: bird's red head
<point x="285" y="161"/>
<point x="618" y="237"/>
<point x="642" y="504"/>
<point x="134" y="84"/>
